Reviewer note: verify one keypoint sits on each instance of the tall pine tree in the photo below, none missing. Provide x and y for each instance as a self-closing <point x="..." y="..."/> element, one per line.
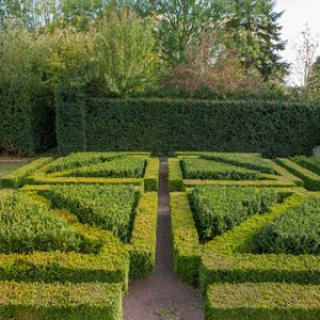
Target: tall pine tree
<point x="252" y="29"/>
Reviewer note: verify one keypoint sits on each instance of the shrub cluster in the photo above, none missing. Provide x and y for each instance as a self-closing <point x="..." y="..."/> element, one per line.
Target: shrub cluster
<point x="252" y="161"/>
<point x="27" y="226"/>
<point x="208" y="169"/>
<point x="296" y="232"/>
<point x="110" y="208"/>
<point x="218" y="209"/>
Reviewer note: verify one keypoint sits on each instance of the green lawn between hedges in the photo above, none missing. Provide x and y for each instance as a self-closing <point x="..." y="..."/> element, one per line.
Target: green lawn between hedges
<point x="84" y="281"/>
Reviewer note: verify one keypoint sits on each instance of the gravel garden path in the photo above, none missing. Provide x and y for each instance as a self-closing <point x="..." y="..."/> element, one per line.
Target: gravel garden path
<point x="162" y="296"/>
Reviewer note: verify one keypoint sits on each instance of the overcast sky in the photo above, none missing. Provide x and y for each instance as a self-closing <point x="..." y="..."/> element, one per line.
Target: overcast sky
<point x="297" y="13"/>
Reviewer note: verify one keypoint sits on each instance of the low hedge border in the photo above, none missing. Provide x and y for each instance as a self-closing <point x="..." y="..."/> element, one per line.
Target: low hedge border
<point x="177" y="183"/>
<point x="142" y="245"/>
<point x="175" y="177"/>
<point x="151" y="176"/>
<point x="149" y="182"/>
<point x="185" y="238"/>
<point x="311" y="179"/>
<point x="267" y="301"/>
<point x="109" y="265"/>
<point x="228" y="258"/>
<point x="307" y="163"/>
<point x="56" y="301"/>
<point x="17" y="178"/>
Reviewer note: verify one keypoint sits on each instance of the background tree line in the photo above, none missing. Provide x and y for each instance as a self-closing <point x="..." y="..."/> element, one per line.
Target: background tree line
<point x="186" y="48"/>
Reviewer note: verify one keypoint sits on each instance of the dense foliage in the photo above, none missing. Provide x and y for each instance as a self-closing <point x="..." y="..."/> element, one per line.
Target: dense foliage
<point x="295" y="232"/>
<point x="163" y="125"/>
<point x="209" y="169"/>
<point x="218" y="209"/>
<point x="110" y="208"/>
<point x="27" y="226"/>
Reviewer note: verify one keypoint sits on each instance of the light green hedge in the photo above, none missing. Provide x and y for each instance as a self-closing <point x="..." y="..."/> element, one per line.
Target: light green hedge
<point x="228" y="258"/>
<point x="149" y="182"/>
<point x="17" y="178"/>
<point x="185" y="238"/>
<point x="175" y="178"/>
<point x="40" y="301"/>
<point x="308" y="163"/>
<point x="266" y="301"/>
<point x="142" y="246"/>
<point x="311" y="179"/>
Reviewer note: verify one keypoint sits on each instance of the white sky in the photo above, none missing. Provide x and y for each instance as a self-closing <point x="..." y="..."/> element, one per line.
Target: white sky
<point x="297" y="14"/>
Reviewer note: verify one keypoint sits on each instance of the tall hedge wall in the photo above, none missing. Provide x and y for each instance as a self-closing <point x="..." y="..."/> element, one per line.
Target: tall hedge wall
<point x="162" y="125"/>
<point x="27" y="124"/>
<point x="70" y="117"/>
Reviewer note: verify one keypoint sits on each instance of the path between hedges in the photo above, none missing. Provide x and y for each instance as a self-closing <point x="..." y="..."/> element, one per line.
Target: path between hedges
<point x="162" y="296"/>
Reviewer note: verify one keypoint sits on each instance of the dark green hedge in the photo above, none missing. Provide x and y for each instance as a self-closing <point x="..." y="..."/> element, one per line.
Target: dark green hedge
<point x="27" y="125"/>
<point x="70" y="118"/>
<point x="163" y="125"/>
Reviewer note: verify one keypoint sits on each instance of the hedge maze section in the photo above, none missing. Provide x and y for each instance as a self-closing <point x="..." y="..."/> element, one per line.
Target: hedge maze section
<point x="56" y="301"/>
<point x="188" y="170"/>
<point x="310" y="178"/>
<point x="83" y="241"/>
<point x="132" y="168"/>
<point x="238" y="281"/>
<point x="263" y="301"/>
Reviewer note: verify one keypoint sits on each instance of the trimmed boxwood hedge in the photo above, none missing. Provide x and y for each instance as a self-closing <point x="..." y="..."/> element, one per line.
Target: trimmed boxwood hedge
<point x="142" y="246"/>
<point x="166" y="125"/>
<point x="311" y="179"/>
<point x="70" y="117"/>
<point x="266" y="301"/>
<point x="18" y="177"/>
<point x="90" y="301"/>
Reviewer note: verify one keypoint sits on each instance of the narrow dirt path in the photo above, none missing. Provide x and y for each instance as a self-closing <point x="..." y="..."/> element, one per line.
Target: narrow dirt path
<point x="162" y="296"/>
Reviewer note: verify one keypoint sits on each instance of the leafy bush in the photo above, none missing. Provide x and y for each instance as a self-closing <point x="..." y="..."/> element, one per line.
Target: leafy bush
<point x="310" y="163"/>
<point x="26" y="226"/>
<point x="129" y="167"/>
<point x="208" y="169"/>
<point x="110" y="208"/>
<point x="296" y="232"/>
<point x="218" y="209"/>
<point x="126" y="61"/>
<point x="251" y="161"/>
